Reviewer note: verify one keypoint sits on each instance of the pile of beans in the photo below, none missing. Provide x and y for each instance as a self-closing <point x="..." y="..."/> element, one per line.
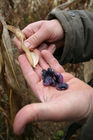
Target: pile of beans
<point x="50" y="78"/>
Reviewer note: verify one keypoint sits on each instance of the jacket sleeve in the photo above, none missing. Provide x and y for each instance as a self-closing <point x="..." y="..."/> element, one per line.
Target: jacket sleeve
<point x="78" y="28"/>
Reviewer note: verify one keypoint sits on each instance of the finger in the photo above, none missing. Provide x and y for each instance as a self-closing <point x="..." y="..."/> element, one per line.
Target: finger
<point x="38" y="70"/>
<point x="53" y="63"/>
<point x="34" y="112"/>
<point x="30" y="29"/>
<point x="43" y="46"/>
<point x="36" y="39"/>
<point x="42" y="63"/>
<point x="52" y="48"/>
<point x="66" y="107"/>
<point x="43" y="111"/>
<point x="28" y="72"/>
<point x="27" y="114"/>
<point x="67" y="77"/>
<point x="17" y="43"/>
<point x="33" y="41"/>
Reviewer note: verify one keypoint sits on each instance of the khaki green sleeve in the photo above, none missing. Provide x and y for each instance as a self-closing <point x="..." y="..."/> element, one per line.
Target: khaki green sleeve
<point x="78" y="28"/>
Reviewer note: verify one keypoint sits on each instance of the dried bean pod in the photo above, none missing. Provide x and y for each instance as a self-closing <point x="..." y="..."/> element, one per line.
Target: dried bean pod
<point x="19" y="34"/>
<point x="31" y="56"/>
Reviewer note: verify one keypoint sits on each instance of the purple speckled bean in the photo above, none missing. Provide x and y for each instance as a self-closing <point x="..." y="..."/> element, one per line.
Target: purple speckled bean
<point x="50" y="78"/>
<point x="47" y="81"/>
<point x="59" y="77"/>
<point x="53" y="83"/>
<point x="44" y="74"/>
<point x="61" y="86"/>
<point x="50" y="72"/>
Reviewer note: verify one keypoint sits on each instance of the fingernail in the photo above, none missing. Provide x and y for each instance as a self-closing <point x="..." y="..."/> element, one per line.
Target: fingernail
<point x="27" y="44"/>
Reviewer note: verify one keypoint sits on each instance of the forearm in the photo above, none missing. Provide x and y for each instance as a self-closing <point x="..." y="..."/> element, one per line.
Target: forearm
<point x="78" y="30"/>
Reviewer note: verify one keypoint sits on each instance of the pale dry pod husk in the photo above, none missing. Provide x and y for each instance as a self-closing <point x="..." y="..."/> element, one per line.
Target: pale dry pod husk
<point x="19" y="34"/>
<point x="35" y="58"/>
<point x="32" y="56"/>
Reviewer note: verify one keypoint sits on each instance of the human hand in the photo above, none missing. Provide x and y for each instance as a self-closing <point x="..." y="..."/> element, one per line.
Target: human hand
<point x="75" y="103"/>
<point x="41" y="31"/>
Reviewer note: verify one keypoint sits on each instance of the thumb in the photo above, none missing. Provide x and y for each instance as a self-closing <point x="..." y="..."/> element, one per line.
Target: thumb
<point x="36" y="39"/>
<point x="37" y="112"/>
<point x="29" y="113"/>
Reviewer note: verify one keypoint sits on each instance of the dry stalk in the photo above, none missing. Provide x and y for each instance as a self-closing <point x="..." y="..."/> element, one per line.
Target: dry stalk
<point x="1" y="28"/>
<point x="12" y="73"/>
<point x="90" y="7"/>
<point x="68" y="4"/>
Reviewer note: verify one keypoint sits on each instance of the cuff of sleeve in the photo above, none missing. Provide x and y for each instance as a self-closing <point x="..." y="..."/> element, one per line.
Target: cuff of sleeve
<point x="69" y="19"/>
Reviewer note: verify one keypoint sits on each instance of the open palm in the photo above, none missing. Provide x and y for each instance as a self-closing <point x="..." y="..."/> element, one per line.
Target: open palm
<point x="74" y="103"/>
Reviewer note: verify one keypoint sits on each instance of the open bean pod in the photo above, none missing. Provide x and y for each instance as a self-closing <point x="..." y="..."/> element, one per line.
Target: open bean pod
<point x="32" y="56"/>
